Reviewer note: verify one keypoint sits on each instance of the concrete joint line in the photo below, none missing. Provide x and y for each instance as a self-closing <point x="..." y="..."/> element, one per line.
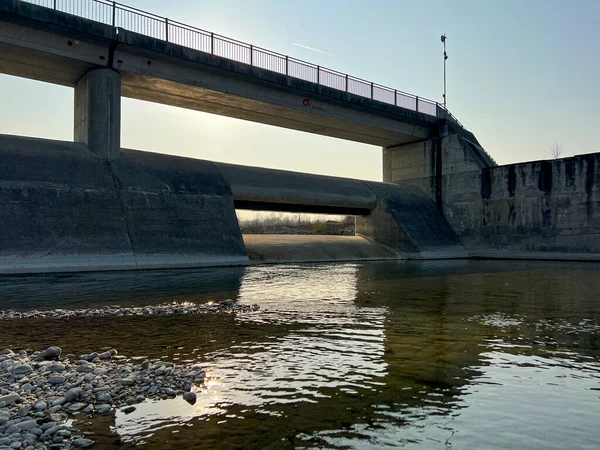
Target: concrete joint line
<point x="117" y="184"/>
<point x="111" y="55"/>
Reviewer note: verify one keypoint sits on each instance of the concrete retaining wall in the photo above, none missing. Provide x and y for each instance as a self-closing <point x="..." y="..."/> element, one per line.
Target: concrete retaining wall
<point x="62" y="209"/>
<point x="534" y="210"/>
<point x="541" y="209"/>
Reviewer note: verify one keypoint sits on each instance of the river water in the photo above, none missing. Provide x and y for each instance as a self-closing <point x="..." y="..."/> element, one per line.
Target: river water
<point x="430" y="355"/>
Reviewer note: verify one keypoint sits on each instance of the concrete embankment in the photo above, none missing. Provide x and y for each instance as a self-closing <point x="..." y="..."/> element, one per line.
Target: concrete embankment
<point x="540" y="209"/>
<point x="533" y="210"/>
<point x="62" y="209"/>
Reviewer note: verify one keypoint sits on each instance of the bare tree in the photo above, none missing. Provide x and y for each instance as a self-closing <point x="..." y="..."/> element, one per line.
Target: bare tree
<point x="556" y="150"/>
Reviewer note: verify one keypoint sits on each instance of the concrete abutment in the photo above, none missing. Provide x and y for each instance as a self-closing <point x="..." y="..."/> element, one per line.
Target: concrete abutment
<point x="408" y="221"/>
<point x="97" y="122"/>
<point x="532" y="210"/>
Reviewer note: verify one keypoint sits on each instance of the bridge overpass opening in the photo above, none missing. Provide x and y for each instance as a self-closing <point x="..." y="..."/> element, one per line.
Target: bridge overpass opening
<point x="262" y="222"/>
<point x="323" y="210"/>
<point x="290" y="237"/>
<point x="45" y="110"/>
<point x="35" y="108"/>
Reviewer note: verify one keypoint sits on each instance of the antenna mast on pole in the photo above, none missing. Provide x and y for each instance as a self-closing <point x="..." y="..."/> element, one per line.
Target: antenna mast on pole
<point x="443" y="39"/>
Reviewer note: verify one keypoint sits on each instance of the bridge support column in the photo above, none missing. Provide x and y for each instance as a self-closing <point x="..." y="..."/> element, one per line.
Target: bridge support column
<point x="98" y="112"/>
<point x="414" y="164"/>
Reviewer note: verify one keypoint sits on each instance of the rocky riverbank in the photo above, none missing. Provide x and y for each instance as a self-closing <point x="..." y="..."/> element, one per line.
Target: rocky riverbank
<point x="226" y="306"/>
<point x="40" y="391"/>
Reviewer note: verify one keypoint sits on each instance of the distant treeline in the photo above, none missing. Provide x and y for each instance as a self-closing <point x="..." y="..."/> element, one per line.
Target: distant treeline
<point x="298" y="225"/>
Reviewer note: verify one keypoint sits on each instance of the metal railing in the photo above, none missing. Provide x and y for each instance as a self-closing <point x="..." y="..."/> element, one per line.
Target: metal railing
<point x="132" y="19"/>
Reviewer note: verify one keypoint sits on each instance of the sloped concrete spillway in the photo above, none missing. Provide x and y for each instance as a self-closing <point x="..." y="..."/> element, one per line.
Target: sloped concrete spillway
<point x="64" y="209"/>
<point x="279" y="248"/>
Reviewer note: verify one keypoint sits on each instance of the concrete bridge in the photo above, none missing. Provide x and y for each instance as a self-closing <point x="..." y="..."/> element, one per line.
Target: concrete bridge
<point x="90" y="205"/>
<point x="103" y="62"/>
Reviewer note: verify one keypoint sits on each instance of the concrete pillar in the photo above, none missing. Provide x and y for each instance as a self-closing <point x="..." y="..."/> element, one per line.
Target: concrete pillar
<point x="437" y="166"/>
<point x="98" y="112"/>
<point x="412" y="165"/>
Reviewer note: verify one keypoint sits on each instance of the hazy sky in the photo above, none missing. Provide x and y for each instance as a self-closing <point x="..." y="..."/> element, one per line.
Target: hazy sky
<point x="521" y="74"/>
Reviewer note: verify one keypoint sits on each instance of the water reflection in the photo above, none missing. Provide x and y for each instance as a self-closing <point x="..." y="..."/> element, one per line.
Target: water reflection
<point x="426" y="355"/>
<point x="78" y="290"/>
<point x="335" y="349"/>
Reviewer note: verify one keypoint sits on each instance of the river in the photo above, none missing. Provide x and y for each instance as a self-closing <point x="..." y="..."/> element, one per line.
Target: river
<point x="417" y="355"/>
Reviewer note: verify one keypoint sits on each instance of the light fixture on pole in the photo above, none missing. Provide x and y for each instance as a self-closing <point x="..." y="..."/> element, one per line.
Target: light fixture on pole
<point x="443" y="38"/>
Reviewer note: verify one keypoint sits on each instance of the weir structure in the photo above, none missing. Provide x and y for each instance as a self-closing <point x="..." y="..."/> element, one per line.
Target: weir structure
<point x="91" y="205"/>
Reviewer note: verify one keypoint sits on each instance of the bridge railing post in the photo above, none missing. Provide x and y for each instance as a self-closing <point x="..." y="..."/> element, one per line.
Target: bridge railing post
<point x="346" y="82"/>
<point x="371" y="89"/>
<point x="166" y="29"/>
<point x="114" y="13"/>
<point x="318" y="75"/>
<point x="54" y="4"/>
<point x="287" y="64"/>
<point x="417" y="103"/>
<point x="395" y="97"/>
<point x="212" y="43"/>
<point x="251" y="52"/>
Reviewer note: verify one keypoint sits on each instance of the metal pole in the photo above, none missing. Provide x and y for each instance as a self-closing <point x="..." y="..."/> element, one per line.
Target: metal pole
<point x="417" y="102"/>
<point x="371" y="89"/>
<point x="212" y="43"/>
<point x="318" y="70"/>
<point x="166" y="29"/>
<point x="443" y="38"/>
<point x="251" y="52"/>
<point x="445" y="58"/>
<point x="287" y="61"/>
<point x="346" y="82"/>
<point x="395" y="97"/>
<point x="114" y="8"/>
<point x="54" y="4"/>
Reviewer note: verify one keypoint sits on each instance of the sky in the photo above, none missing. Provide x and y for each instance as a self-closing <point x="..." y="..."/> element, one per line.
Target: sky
<point x="522" y="74"/>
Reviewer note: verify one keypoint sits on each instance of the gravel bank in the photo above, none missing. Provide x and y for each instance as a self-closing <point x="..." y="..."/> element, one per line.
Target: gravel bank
<point x="40" y="391"/>
<point x="227" y="306"/>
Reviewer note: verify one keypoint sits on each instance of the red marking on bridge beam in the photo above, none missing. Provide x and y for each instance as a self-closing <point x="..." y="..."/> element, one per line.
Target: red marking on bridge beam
<point x="308" y="103"/>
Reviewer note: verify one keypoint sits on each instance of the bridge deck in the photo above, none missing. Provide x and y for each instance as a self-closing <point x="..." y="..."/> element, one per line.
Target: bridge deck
<point x="52" y="46"/>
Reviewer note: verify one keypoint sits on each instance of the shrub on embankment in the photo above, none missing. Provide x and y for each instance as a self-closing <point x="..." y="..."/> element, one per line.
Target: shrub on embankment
<point x="298" y="225"/>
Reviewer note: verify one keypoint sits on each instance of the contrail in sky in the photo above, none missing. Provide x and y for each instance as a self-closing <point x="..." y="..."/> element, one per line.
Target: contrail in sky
<point x="313" y="49"/>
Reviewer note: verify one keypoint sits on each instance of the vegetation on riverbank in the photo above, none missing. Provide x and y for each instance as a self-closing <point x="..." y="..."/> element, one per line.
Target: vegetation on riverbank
<point x="298" y="224"/>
